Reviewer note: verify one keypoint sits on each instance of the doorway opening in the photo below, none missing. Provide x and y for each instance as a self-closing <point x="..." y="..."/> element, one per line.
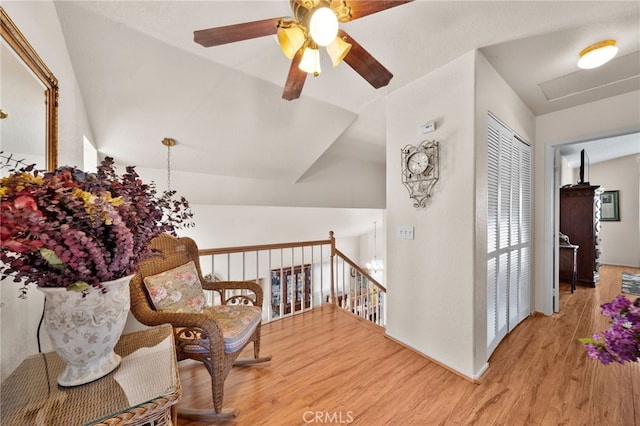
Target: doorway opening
<point x="567" y="154"/>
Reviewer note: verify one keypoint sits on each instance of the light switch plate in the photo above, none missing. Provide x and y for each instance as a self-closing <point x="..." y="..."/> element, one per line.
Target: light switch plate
<point x="405" y="232"/>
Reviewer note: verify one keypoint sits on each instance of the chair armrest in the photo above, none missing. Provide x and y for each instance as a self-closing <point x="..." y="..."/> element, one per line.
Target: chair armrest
<point x="222" y="286"/>
<point x="207" y="325"/>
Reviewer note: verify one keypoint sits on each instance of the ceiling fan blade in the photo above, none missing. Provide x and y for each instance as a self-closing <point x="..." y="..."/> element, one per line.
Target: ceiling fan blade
<point x="295" y="79"/>
<point x="368" y="7"/>
<point x="365" y="64"/>
<point x="237" y="32"/>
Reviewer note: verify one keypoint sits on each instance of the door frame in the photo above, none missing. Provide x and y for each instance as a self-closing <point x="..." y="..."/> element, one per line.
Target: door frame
<point x="552" y="213"/>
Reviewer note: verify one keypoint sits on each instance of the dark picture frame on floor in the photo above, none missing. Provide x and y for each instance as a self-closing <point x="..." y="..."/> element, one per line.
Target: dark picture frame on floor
<point x="610" y="210"/>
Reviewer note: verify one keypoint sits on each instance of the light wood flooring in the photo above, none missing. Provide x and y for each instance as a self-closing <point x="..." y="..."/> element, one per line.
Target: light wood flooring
<point x="344" y="371"/>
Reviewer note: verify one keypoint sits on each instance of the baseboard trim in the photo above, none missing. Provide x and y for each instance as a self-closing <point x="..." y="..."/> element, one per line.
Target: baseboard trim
<point x="435" y="361"/>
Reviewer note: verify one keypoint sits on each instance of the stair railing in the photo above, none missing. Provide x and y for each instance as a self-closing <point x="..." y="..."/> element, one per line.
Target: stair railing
<point x="359" y="293"/>
<point x="297" y="277"/>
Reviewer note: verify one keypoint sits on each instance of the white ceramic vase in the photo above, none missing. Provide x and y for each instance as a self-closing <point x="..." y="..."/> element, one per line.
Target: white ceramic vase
<point x="84" y="330"/>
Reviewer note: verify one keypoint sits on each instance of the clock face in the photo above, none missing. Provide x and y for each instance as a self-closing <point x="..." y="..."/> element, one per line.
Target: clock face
<point x="418" y="162"/>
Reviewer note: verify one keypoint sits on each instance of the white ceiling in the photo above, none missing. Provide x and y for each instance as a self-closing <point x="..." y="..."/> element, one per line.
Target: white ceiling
<point x="600" y="150"/>
<point x="143" y="78"/>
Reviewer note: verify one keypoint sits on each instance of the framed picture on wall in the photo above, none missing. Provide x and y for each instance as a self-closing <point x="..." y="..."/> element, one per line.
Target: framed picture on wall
<point x="610" y="210"/>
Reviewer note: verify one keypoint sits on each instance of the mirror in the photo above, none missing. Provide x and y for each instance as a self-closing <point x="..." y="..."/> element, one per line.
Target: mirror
<point x="26" y="128"/>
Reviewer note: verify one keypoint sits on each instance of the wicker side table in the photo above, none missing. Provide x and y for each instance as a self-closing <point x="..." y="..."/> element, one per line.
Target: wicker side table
<point x="142" y="390"/>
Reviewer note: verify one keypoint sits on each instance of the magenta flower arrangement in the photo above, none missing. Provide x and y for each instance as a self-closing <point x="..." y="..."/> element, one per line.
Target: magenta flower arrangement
<point x="621" y="342"/>
<point x="68" y="228"/>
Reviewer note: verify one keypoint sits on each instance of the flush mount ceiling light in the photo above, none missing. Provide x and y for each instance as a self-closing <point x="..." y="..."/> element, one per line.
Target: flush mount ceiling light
<point x="598" y="54"/>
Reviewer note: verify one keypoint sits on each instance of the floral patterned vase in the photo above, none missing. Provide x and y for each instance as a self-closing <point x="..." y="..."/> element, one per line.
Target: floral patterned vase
<point x="84" y="330"/>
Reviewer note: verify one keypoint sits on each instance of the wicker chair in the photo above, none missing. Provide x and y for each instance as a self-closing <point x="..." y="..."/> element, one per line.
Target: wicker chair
<point x="200" y="336"/>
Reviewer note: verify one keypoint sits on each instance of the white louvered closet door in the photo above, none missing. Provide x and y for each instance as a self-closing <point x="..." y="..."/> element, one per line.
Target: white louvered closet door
<point x="508" y="232"/>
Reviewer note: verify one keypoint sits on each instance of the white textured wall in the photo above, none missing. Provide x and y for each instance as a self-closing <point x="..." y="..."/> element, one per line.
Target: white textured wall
<point x="323" y="189"/>
<point x="620" y="240"/>
<point x="431" y="286"/>
<point x="437" y="282"/>
<point x="224" y="226"/>
<point x="568" y="175"/>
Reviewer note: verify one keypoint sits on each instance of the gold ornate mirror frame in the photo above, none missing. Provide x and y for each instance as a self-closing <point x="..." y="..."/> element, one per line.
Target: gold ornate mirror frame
<point x="23" y="49"/>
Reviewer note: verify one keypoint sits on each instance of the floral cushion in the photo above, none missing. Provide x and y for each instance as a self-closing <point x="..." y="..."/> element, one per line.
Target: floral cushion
<point x="177" y="289"/>
<point x="237" y="323"/>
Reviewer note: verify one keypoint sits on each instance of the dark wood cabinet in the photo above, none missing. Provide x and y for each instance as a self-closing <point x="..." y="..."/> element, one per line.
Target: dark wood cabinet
<point x="580" y="221"/>
<point x="290" y="289"/>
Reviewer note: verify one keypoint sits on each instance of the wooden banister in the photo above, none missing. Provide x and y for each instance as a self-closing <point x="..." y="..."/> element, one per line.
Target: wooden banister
<point x="261" y="247"/>
<point x="310" y="274"/>
<point x="360" y="270"/>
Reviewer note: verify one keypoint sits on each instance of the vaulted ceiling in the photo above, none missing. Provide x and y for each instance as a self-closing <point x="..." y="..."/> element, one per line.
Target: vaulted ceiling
<point x="143" y="78"/>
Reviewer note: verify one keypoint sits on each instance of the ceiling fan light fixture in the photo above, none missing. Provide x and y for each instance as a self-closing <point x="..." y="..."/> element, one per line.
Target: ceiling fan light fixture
<point x="337" y="50"/>
<point x="290" y="38"/>
<point x="310" y="62"/>
<point x="323" y="26"/>
<point x="597" y="54"/>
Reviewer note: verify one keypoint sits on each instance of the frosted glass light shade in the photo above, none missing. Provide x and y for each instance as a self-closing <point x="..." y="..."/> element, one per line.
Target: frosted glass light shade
<point x="291" y="40"/>
<point x="310" y="62"/>
<point x="598" y="54"/>
<point x="323" y="26"/>
<point x="337" y="50"/>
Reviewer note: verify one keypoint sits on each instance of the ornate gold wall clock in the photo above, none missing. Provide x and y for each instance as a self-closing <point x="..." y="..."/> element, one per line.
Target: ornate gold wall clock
<point x="420" y="168"/>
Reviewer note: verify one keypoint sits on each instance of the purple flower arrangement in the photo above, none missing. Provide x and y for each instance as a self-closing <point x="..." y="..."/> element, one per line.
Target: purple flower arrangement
<point x="68" y="228"/>
<point x="621" y="342"/>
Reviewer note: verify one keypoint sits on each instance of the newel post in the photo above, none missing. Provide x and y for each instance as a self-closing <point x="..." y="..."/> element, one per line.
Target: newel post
<point x="333" y="255"/>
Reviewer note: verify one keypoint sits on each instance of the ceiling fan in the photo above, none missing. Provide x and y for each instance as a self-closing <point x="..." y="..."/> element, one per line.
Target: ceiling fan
<point x="315" y="24"/>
